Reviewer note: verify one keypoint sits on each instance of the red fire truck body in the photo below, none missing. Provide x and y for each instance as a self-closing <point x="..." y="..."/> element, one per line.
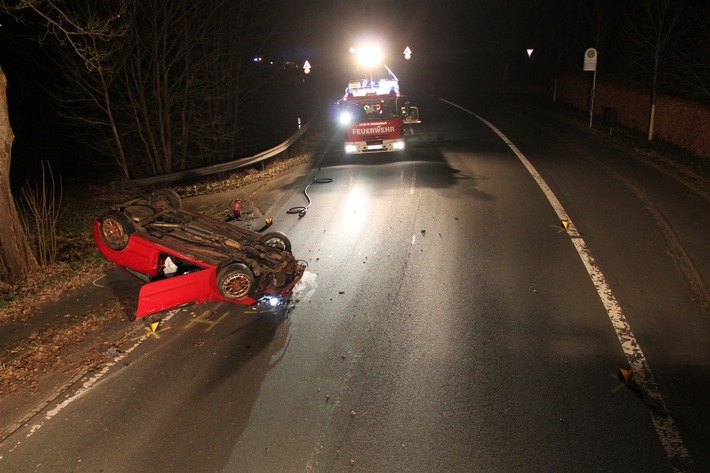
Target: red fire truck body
<point x="374" y="115"/>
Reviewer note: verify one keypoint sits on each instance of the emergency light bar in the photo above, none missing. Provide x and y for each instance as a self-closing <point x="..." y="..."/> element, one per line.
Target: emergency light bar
<point x="361" y="88"/>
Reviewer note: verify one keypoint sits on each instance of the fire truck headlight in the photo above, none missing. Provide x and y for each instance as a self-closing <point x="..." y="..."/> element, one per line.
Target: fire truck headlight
<point x="345" y="118"/>
<point x="350" y="148"/>
<point x="398" y="145"/>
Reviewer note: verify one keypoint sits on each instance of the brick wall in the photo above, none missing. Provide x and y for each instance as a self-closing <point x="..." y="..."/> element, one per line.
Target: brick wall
<point x="681" y="122"/>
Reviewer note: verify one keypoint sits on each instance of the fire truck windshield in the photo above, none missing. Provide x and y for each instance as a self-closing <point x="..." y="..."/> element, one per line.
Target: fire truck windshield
<point x="372" y="109"/>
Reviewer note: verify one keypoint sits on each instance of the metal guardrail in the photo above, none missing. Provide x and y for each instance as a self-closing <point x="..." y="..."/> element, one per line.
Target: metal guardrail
<point x="215" y="168"/>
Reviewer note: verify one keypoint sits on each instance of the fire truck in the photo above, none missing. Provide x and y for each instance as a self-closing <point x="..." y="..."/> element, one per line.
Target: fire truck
<point x="374" y="115"/>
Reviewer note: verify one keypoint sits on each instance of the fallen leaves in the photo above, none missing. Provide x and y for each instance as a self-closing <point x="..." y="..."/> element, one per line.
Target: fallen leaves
<point x="46" y="286"/>
<point x="55" y="348"/>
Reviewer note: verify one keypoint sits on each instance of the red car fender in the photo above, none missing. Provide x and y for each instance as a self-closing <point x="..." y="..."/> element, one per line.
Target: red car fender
<point x="138" y="255"/>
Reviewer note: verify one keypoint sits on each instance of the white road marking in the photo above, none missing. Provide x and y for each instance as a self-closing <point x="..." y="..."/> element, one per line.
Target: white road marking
<point x="88" y="384"/>
<point x="666" y="429"/>
<point x="413" y="184"/>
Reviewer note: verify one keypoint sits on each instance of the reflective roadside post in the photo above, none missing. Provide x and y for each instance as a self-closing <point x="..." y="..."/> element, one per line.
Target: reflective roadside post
<point x="590" y="64"/>
<point x="530" y="53"/>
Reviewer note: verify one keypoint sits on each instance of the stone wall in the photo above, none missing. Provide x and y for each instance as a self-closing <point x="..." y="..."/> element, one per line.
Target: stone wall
<point x="680" y="122"/>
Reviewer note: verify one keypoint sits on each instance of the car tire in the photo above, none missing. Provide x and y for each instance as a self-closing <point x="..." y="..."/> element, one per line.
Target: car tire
<point x="276" y="240"/>
<point x="235" y="281"/>
<point x="164" y="198"/>
<point x="115" y="230"/>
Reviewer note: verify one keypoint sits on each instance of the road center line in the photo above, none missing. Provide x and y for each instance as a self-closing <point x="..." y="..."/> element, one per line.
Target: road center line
<point x="666" y="428"/>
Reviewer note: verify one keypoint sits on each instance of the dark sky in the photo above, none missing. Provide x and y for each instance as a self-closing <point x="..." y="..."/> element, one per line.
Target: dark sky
<point x="437" y="31"/>
<point x="426" y="25"/>
<point x="441" y="34"/>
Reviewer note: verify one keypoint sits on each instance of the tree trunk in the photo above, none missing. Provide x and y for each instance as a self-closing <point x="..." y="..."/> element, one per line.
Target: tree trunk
<point x="16" y="256"/>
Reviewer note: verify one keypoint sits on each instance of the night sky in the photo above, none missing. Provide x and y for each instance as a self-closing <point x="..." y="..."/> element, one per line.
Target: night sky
<point x="472" y="39"/>
<point x="429" y="27"/>
<point x="445" y="36"/>
<point x="469" y="41"/>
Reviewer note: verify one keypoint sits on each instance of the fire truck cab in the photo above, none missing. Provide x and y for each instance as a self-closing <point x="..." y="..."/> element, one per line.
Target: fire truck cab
<point x="374" y="115"/>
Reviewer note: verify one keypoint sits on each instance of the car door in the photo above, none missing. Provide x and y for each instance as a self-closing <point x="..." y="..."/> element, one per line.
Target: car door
<point x="171" y="292"/>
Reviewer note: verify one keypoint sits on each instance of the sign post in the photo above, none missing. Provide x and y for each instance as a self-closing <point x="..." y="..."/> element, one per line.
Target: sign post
<point x="590" y="64"/>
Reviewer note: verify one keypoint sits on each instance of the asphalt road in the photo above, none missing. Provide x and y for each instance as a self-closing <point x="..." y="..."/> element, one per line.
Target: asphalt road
<point x="446" y="323"/>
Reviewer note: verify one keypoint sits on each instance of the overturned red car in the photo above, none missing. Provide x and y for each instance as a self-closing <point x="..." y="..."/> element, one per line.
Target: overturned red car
<point x="184" y="256"/>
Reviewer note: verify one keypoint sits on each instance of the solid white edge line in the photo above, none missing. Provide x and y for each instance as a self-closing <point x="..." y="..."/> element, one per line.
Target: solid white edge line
<point x="86" y="386"/>
<point x="667" y="431"/>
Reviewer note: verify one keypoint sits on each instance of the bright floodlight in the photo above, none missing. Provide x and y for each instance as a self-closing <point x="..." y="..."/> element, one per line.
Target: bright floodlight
<point x="369" y="56"/>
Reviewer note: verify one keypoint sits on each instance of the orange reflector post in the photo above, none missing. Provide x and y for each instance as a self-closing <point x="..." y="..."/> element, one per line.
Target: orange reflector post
<point x="625" y="375"/>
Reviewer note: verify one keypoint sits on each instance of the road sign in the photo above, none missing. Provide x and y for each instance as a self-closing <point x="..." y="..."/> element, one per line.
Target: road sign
<point x="307" y="67"/>
<point x="590" y="59"/>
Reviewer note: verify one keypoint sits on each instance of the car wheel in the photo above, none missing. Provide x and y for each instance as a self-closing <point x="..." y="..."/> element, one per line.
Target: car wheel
<point x="277" y="240"/>
<point x="164" y="198"/>
<point x="235" y="281"/>
<point x="115" y="229"/>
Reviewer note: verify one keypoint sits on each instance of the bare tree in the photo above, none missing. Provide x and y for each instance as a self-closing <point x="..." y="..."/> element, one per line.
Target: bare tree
<point x="654" y="30"/>
<point x="162" y="83"/>
<point x="694" y="75"/>
<point x="91" y="33"/>
<point x="187" y="76"/>
<point x="16" y="259"/>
